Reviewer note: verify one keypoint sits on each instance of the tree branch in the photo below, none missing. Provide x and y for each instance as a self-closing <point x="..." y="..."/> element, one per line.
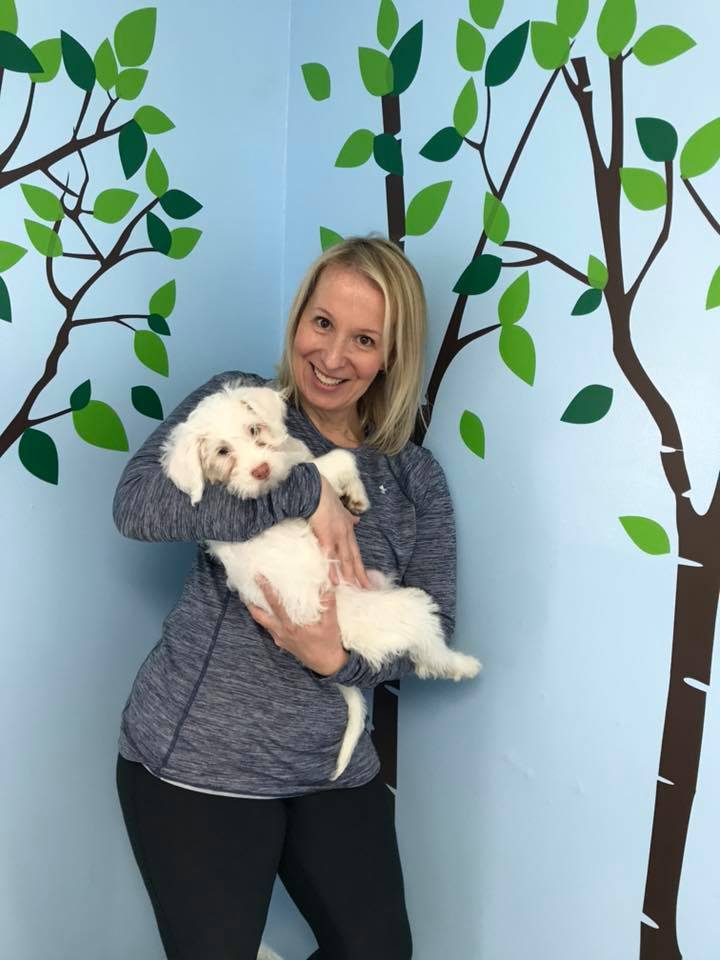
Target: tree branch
<point x="49" y="159"/>
<point x="480" y="147"/>
<point x="543" y="255"/>
<point x="584" y="99"/>
<point x="52" y="416"/>
<point x="117" y="318"/>
<point x="701" y="206"/>
<point x="469" y="337"/>
<point x="105" y="114"/>
<point x="59" y="183"/>
<point x="49" y="270"/>
<point x="132" y="253"/>
<point x="662" y="238"/>
<point x="8" y="153"/>
<point x="83" y="111"/>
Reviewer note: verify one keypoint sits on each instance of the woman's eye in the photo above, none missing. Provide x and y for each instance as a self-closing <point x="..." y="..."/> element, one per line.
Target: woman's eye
<point x="370" y="341"/>
<point x="321" y="320"/>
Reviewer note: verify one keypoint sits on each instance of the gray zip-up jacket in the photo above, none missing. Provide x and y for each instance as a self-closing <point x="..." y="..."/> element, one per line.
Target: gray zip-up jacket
<point x="217" y="705"/>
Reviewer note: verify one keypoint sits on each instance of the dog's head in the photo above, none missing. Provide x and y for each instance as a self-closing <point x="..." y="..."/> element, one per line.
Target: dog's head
<point x="234" y="437"/>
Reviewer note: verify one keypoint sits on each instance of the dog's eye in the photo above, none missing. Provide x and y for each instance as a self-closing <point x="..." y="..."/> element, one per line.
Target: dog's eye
<point x="223" y="451"/>
<point x="255" y="429"/>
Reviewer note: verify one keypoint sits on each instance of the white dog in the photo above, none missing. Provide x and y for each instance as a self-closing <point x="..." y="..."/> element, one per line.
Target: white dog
<point x="237" y="437"/>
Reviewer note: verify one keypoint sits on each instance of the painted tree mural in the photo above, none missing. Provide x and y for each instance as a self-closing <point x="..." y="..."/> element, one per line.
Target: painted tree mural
<point x="64" y="212"/>
<point x="607" y="285"/>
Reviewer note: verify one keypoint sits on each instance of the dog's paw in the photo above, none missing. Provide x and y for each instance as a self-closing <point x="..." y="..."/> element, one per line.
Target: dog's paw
<point x="466" y="667"/>
<point x="355" y="498"/>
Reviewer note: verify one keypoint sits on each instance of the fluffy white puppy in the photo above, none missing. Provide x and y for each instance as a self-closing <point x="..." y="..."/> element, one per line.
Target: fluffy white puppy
<point x="237" y="437"/>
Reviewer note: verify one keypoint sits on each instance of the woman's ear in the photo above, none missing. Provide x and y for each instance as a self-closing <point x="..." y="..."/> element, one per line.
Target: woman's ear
<point x="181" y="461"/>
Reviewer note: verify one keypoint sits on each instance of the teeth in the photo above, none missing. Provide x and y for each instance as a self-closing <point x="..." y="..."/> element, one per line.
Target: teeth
<point x="323" y="379"/>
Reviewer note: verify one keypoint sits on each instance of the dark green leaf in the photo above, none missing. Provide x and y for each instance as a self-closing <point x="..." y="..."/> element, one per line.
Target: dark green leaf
<point x="518" y="352"/>
<point x="80" y="397"/>
<point x="658" y="138"/>
<point x="16" y="55"/>
<point x="317" y="80"/>
<point x="135" y="36"/>
<point x="387" y="23"/>
<point x="130" y="83"/>
<point x="425" y="208"/>
<point x="106" y="68"/>
<point x="38" y="454"/>
<point x="49" y="55"/>
<point x="550" y="45"/>
<point x="589" y="405"/>
<point x="156" y="175"/>
<point x="356" y="150"/>
<point x="328" y="238"/>
<point x="505" y="58"/>
<point x="496" y="220"/>
<point x="571" y="15"/>
<point x="660" y="44"/>
<point x="466" y="109"/>
<point x="588" y="302"/>
<point x="78" y="62"/>
<point x="8" y="16"/>
<point x="486" y="13"/>
<point x="158" y="234"/>
<point x="10" y="254"/>
<point x="376" y="71"/>
<point x="5" y="305"/>
<point x="151" y="351"/>
<point x="153" y="121"/>
<point x="473" y="433"/>
<point x="405" y="58"/>
<point x="702" y="151"/>
<point x="163" y="300"/>
<point x="158" y="324"/>
<point x="99" y="425"/>
<point x="479" y="276"/>
<point x="183" y="241"/>
<point x="112" y="205"/>
<point x="616" y="26"/>
<point x="45" y="240"/>
<point x="443" y="146"/>
<point x="647" y="534"/>
<point x="147" y="402"/>
<point x="43" y="203"/>
<point x="645" y="189"/>
<point x="388" y="153"/>
<point x="133" y="145"/>
<point x="179" y="205"/>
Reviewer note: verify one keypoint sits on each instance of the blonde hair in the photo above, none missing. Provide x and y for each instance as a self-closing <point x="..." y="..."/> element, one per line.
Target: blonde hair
<point x="390" y="405"/>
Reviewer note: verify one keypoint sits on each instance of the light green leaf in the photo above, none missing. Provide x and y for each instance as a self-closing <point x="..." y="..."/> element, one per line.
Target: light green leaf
<point x="10" y="254"/>
<point x="99" y="425"/>
<point x="388" y="23"/>
<point x="496" y="219"/>
<point x="589" y="405"/>
<point x="156" y="176"/>
<point x="702" y="151"/>
<point x="473" y="433"/>
<point x="597" y="273"/>
<point x="162" y="301"/>
<point x="425" y="208"/>
<point x="43" y="203"/>
<point x="713" y="295"/>
<point x="328" y="238"/>
<point x="130" y="83"/>
<point x="112" y="205"/>
<point x="106" y="66"/>
<point x="514" y="302"/>
<point x="660" y="44"/>
<point x="616" y="26"/>
<point x="153" y="121"/>
<point x="376" y="71"/>
<point x="646" y="534"/>
<point x="486" y="13"/>
<point x="466" y="109"/>
<point x="184" y="240"/>
<point x="518" y="352"/>
<point x="135" y="36"/>
<point x="150" y="350"/>
<point x="550" y="45"/>
<point x="8" y="16"/>
<point x="38" y="454"/>
<point x="356" y="150"/>
<point x="317" y="80"/>
<point x="49" y="55"/>
<point x="645" y="189"/>
<point x="470" y="46"/>
<point x="45" y="240"/>
<point x="571" y="15"/>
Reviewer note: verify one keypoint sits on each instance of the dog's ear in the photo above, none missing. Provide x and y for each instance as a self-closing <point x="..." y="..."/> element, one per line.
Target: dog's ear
<point x="285" y="393"/>
<point x="181" y="460"/>
<point x="269" y="406"/>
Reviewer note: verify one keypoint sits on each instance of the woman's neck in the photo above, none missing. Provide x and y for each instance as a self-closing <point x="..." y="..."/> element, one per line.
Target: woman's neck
<point x="342" y="429"/>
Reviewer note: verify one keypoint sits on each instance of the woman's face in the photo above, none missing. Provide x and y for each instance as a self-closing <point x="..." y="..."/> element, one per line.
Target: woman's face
<point x="339" y="335"/>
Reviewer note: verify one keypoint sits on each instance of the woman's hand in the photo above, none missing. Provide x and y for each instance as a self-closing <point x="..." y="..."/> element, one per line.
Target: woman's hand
<point x="334" y="527"/>
<point x="316" y="645"/>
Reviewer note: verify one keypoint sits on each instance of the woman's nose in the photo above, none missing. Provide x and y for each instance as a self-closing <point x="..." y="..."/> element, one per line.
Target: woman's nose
<point x="333" y="357"/>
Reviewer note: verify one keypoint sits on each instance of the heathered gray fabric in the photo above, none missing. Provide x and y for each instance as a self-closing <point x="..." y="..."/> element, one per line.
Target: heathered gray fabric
<point x="216" y="705"/>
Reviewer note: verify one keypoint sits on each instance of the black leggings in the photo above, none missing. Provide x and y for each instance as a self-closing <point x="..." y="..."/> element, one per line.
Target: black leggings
<point x="209" y="863"/>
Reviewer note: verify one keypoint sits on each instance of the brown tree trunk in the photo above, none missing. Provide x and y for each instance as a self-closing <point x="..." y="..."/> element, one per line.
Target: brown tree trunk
<point x="696" y="606"/>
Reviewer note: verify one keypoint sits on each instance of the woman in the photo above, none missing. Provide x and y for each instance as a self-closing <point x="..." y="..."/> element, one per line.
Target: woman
<point x="233" y="724"/>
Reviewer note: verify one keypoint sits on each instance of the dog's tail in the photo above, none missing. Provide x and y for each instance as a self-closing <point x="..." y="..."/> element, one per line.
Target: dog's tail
<point x="357" y="709"/>
<point x="267" y="954"/>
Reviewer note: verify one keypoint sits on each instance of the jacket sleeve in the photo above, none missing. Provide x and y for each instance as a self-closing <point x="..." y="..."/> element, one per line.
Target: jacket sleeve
<point x="148" y="506"/>
<point x="432" y="568"/>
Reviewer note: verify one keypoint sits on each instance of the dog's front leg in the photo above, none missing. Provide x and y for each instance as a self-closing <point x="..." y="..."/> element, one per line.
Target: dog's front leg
<point x="339" y="468"/>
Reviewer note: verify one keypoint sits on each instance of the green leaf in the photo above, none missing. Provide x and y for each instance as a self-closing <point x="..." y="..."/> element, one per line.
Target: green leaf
<point x="147" y="402"/>
<point x="130" y="83"/>
<point x="473" y="433"/>
<point x="156" y="175"/>
<point x="505" y="58"/>
<point x="425" y="208"/>
<point x="616" y="26"/>
<point x="43" y="203"/>
<point x="496" y="219"/>
<point x="132" y="144"/>
<point x="486" y="13"/>
<point x="106" y="68"/>
<point x="713" y="295"/>
<point x="405" y="58"/>
<point x="388" y="23"/>
<point x="376" y="71"/>
<point x="10" y="254"/>
<point x="646" y="534"/>
<point x="479" y="276"/>
<point x="38" y="454"/>
<point x="645" y="189"/>
<point x="5" y="305"/>
<point x="153" y="121"/>
<point x="571" y="15"/>
<point x="470" y="46"/>
<point x="317" y="80"/>
<point x="99" y="425"/>
<point x="466" y="109"/>
<point x="158" y="324"/>
<point x="179" y="205"/>
<point x="8" y="16"/>
<point x="135" y="36"/>
<point x="443" y="146"/>
<point x="597" y="273"/>
<point x="328" y="238"/>
<point x="16" y="55"/>
<point x="589" y="405"/>
<point x="588" y="303"/>
<point x="80" y="397"/>
<point x="112" y="205"/>
<point x="660" y="44"/>
<point x="162" y="301"/>
<point x="49" y="55"/>
<point x="388" y="153"/>
<point x="78" y="62"/>
<point x="158" y="234"/>
<point x="45" y="240"/>
<point x="518" y="352"/>
<point x="183" y="241"/>
<point x="550" y="45"/>
<point x="702" y="151"/>
<point x="356" y="150"/>
<point x="514" y="302"/>
<point x="658" y="138"/>
<point x="150" y="350"/>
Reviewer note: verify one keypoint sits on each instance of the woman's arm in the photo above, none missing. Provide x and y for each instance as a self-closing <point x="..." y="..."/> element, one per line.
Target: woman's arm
<point x="148" y="505"/>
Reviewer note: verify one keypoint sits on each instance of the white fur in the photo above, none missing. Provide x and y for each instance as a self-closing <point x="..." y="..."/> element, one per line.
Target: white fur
<point x="216" y="444"/>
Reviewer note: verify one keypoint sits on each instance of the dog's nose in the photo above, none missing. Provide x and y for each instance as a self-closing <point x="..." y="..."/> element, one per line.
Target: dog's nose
<point x="261" y="472"/>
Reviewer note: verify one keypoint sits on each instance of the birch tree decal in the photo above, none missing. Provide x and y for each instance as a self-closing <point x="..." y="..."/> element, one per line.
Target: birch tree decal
<point x="602" y="283"/>
<point x="62" y="214"/>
